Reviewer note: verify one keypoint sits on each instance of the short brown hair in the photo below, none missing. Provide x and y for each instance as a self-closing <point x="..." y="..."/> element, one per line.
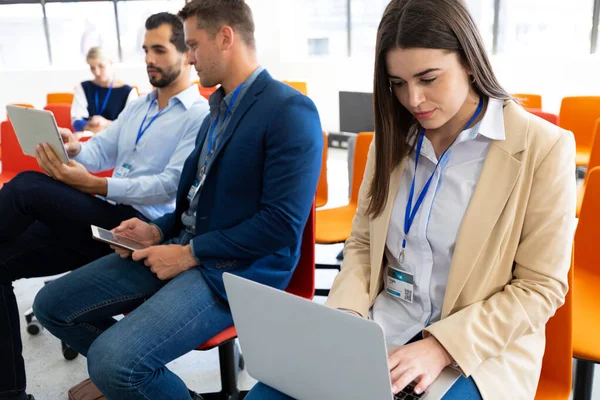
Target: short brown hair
<point x="212" y="15"/>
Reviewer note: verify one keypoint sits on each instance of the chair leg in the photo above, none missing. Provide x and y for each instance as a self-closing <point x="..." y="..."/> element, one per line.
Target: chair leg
<point x="229" y="360"/>
<point x="584" y="380"/>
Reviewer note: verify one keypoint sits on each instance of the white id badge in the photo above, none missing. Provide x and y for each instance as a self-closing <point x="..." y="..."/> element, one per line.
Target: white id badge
<point x="123" y="171"/>
<point x="193" y="190"/>
<point x="400" y="284"/>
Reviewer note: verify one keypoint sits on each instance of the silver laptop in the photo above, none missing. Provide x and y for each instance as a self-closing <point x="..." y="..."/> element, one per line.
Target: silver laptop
<point x="309" y="351"/>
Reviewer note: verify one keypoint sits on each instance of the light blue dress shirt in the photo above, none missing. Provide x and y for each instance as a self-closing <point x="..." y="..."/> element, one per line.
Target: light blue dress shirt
<point x="156" y="161"/>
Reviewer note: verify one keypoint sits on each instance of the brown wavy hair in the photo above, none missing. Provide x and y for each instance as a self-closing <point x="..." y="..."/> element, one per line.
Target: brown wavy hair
<point x="430" y="24"/>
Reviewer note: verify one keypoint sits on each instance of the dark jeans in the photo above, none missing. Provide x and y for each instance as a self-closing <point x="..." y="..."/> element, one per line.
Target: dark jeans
<point x="44" y="230"/>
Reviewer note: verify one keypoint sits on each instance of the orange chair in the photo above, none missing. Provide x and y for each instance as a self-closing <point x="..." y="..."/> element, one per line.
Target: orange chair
<point x="578" y="115"/>
<point x="334" y="224"/>
<point x="62" y="114"/>
<point x="302" y="284"/>
<point x="13" y="161"/>
<point x="528" y="100"/>
<point x="594" y="162"/>
<point x="53" y="98"/>
<point x="299" y="86"/>
<point x="322" y="186"/>
<point x="205" y="92"/>
<point x="586" y="319"/>
<point x="552" y="118"/>
<point x="557" y="367"/>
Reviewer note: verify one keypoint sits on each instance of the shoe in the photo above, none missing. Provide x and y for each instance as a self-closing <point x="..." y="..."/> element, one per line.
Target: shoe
<point x="30" y="397"/>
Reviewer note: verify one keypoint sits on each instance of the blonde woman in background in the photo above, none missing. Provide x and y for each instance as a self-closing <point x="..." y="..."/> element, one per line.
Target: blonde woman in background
<point x="100" y="101"/>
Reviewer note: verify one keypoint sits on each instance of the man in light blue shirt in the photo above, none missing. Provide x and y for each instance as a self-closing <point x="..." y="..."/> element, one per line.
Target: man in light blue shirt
<point x="45" y="219"/>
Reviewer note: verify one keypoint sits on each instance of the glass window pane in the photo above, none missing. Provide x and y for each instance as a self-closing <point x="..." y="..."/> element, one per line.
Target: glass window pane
<point x="23" y="21"/>
<point x="545" y="27"/>
<point x="314" y="28"/>
<point x="75" y="27"/>
<point x="366" y="15"/>
<point x="132" y="20"/>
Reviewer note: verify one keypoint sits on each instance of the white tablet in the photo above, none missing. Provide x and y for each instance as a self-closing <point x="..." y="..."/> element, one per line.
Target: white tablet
<point x="34" y="127"/>
<point x="116" y="240"/>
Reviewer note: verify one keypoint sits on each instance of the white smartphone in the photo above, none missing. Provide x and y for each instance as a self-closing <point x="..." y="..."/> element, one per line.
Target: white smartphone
<point x="126" y="243"/>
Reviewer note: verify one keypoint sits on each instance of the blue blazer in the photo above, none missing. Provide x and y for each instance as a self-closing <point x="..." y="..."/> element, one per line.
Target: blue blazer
<point x="259" y="191"/>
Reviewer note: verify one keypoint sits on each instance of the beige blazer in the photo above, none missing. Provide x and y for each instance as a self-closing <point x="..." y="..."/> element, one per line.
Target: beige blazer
<point x="513" y="251"/>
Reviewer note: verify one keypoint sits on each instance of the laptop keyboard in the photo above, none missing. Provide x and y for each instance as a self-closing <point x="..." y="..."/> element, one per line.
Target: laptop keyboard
<point x="408" y="393"/>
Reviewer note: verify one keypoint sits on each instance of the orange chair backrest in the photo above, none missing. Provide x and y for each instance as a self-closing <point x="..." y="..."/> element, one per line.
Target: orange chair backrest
<point x="586" y="235"/>
<point x="529" y="100"/>
<point x="299" y="86"/>
<point x="13" y="158"/>
<point x="595" y="152"/>
<point x="322" y="186"/>
<point x="52" y="98"/>
<point x="578" y="115"/>
<point x="557" y="364"/>
<point x="361" y="150"/>
<point x="552" y="118"/>
<point x="303" y="281"/>
<point x="62" y="114"/>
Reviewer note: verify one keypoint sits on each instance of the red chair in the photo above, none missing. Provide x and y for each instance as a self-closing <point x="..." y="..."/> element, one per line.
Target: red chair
<point x="302" y="284"/>
<point x="13" y="159"/>
<point x="62" y="114"/>
<point x="552" y="118"/>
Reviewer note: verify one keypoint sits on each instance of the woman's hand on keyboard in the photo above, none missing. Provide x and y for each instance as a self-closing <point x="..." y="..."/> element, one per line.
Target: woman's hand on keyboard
<point x="421" y="361"/>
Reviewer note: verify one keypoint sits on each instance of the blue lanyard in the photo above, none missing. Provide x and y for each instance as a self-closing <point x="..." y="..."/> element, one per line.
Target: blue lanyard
<point x="143" y="130"/>
<point x="411" y="212"/>
<point x="212" y="140"/>
<point x="101" y="111"/>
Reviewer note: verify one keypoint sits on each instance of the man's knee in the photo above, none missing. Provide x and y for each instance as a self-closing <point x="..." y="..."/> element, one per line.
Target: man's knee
<point x="113" y="365"/>
<point x="47" y="307"/>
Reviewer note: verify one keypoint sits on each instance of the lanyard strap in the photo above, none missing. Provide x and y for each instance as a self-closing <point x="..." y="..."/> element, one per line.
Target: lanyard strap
<point x="411" y="212"/>
<point x="143" y="129"/>
<point x="212" y="140"/>
<point x="101" y="111"/>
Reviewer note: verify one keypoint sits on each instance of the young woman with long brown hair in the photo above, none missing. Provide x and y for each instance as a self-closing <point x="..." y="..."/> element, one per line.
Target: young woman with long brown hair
<point x="469" y="197"/>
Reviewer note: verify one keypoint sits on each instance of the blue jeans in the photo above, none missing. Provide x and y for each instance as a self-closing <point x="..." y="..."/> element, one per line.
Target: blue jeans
<point x="127" y="359"/>
<point x="463" y="389"/>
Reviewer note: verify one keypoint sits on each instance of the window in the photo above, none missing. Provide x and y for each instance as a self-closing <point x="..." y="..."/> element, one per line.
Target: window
<point x="132" y="20"/>
<point x="545" y="27"/>
<point x="314" y="28"/>
<point x="76" y="27"/>
<point x="366" y="15"/>
<point x="22" y="38"/>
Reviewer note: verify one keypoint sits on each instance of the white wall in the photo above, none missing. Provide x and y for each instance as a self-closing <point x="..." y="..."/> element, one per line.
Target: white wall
<point x="553" y="77"/>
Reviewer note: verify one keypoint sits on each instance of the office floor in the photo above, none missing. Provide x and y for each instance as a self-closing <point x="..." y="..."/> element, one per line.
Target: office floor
<point x="50" y="375"/>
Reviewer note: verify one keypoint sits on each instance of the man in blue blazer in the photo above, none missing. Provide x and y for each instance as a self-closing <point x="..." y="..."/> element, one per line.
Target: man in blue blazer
<point x="242" y="203"/>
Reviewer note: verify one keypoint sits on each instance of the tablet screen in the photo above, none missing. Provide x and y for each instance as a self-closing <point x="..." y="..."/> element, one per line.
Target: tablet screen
<point x="111" y="237"/>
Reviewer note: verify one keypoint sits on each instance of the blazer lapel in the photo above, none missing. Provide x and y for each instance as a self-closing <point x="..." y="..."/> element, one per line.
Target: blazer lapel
<point x="500" y="173"/>
<point x="247" y="101"/>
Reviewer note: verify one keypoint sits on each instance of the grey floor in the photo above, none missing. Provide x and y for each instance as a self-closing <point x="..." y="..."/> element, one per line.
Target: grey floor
<point x="50" y="375"/>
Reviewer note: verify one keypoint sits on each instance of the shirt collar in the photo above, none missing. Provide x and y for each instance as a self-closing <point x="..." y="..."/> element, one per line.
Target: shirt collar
<point x="492" y="124"/>
<point x="186" y="97"/>
<point x="218" y="96"/>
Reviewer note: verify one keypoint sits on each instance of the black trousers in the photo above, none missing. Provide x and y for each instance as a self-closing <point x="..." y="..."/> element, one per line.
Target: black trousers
<point x="44" y="230"/>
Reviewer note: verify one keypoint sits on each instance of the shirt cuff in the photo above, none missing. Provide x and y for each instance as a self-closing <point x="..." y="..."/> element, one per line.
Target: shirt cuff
<point x="79" y="125"/>
<point x="117" y="188"/>
<point x="194" y="252"/>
